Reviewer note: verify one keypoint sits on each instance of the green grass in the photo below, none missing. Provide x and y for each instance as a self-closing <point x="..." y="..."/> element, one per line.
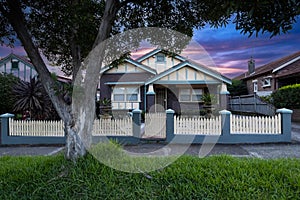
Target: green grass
<point x="217" y="177"/>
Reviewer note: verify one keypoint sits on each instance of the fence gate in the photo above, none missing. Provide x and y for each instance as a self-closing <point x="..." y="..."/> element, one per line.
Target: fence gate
<point x="155" y="125"/>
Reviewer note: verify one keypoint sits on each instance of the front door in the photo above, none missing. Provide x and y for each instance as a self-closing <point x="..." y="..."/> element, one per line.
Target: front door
<point x="161" y="99"/>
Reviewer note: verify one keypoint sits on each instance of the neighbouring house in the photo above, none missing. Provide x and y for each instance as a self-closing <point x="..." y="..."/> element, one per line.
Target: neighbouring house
<point x="265" y="79"/>
<point x="22" y="68"/>
<point x="17" y="65"/>
<point x="158" y="81"/>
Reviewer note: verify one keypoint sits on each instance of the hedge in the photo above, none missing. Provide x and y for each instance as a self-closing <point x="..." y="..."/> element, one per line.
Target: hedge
<point x="287" y="97"/>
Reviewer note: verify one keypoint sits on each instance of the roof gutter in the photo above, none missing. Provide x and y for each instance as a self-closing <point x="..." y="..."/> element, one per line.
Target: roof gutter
<point x="285" y="64"/>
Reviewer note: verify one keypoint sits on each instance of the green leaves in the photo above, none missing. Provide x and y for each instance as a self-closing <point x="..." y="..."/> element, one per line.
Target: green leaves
<point x="266" y="16"/>
<point x="237" y="88"/>
<point x="6" y="83"/>
<point x="287" y="97"/>
<point x="31" y="96"/>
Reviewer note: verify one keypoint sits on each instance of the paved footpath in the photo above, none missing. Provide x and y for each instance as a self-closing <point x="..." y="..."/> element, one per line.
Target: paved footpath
<point x="27" y="150"/>
<point x="268" y="151"/>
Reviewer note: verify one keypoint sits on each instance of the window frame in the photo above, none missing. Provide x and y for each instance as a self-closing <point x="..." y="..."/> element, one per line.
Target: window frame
<point x="126" y="94"/>
<point x="15" y="64"/>
<point x="268" y="79"/>
<point x="191" y="95"/>
<point x="255" y="86"/>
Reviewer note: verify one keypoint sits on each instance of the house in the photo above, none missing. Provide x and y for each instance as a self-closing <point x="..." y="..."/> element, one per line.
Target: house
<point x="271" y="76"/>
<point x="17" y="65"/>
<point x="158" y="81"/>
<point x="22" y="68"/>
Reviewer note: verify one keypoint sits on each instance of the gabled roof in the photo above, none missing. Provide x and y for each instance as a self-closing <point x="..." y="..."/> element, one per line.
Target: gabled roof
<point x="14" y="56"/>
<point x="272" y="67"/>
<point x="133" y="62"/>
<point x="156" y="51"/>
<point x="193" y="65"/>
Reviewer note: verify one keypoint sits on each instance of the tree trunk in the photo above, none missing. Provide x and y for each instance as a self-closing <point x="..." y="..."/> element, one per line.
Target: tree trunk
<point x="79" y="117"/>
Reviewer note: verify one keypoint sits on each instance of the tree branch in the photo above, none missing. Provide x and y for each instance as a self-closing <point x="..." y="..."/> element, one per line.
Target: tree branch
<point x="110" y="12"/>
<point x="16" y="18"/>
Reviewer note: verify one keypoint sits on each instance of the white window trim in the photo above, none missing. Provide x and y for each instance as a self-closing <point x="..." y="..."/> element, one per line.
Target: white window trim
<point x="269" y="82"/>
<point x="255" y="86"/>
<point x="125" y="101"/>
<point x="191" y="95"/>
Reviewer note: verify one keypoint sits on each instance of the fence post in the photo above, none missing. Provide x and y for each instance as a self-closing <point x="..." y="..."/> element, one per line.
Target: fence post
<point x="136" y="123"/>
<point x="286" y="122"/>
<point x="5" y="126"/>
<point x="169" y="125"/>
<point x="225" y="122"/>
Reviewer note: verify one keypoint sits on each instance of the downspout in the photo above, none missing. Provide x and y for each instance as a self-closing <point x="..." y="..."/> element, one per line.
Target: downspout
<point x="145" y="98"/>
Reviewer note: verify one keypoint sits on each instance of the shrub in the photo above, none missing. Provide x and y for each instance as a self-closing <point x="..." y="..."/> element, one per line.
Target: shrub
<point x="287" y="97"/>
<point x="31" y="97"/>
<point x="237" y="88"/>
<point x="7" y="98"/>
<point x="267" y="99"/>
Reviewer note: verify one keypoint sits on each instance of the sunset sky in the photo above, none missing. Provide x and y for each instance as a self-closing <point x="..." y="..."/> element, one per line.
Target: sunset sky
<point x="228" y="49"/>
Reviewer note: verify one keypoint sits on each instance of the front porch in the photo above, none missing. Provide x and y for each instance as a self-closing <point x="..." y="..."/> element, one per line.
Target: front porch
<point x="185" y="99"/>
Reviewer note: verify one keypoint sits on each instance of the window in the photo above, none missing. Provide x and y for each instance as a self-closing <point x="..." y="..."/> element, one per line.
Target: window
<point x="266" y="82"/>
<point x="14" y="64"/>
<point x="160" y="58"/>
<point x="190" y="95"/>
<point x="125" y="94"/>
<point x="255" y="88"/>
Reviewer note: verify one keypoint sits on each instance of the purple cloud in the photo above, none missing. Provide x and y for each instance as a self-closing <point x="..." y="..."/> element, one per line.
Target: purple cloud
<point x="231" y="50"/>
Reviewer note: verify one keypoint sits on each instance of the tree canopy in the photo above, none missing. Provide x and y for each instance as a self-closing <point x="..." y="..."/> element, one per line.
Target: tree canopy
<point x="65" y="31"/>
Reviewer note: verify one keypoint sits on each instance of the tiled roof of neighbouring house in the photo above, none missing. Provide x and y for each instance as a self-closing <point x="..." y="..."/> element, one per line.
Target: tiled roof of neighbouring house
<point x="277" y="65"/>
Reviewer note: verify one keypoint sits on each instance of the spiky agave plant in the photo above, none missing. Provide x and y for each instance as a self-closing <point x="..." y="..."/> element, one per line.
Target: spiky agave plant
<point x="31" y="96"/>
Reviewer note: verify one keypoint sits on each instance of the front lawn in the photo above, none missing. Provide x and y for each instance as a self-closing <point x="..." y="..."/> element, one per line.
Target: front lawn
<point x="217" y="177"/>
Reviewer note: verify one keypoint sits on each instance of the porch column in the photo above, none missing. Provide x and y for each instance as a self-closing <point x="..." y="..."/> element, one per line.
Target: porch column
<point x="150" y="95"/>
<point x="224" y="94"/>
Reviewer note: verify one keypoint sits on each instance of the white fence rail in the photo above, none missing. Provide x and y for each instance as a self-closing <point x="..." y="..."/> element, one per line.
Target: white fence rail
<point x="255" y="124"/>
<point x="115" y="127"/>
<point x="101" y="127"/>
<point x="155" y="125"/>
<point x="197" y="126"/>
<point x="36" y="128"/>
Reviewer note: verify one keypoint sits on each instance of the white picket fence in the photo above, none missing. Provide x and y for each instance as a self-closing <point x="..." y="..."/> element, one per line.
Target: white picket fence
<point x="115" y="127"/>
<point x="256" y="124"/>
<point x="102" y="127"/>
<point x="197" y="126"/>
<point x="155" y="125"/>
<point x="36" y="128"/>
